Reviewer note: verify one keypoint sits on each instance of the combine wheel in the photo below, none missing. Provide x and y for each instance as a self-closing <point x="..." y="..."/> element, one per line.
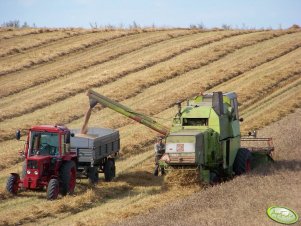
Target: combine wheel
<point x="53" y="189"/>
<point x="242" y="163"/>
<point x="214" y="178"/>
<point x="93" y="175"/>
<point x="67" y="178"/>
<point x="109" y="169"/>
<point x="12" y="184"/>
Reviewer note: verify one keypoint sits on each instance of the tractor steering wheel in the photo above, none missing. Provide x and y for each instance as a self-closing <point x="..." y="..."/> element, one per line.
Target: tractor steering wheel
<point x="44" y="146"/>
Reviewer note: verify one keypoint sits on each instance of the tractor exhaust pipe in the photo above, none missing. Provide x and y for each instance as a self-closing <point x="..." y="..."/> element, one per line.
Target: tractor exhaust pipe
<point x="178" y="103"/>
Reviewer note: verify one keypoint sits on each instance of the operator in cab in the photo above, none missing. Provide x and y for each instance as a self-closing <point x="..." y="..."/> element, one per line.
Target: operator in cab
<point x="159" y="152"/>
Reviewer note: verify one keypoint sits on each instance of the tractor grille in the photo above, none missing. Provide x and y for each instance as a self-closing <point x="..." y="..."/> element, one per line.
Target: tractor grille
<point x="32" y="164"/>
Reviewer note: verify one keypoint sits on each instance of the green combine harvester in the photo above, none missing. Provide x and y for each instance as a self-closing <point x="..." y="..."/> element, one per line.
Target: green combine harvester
<point x="204" y="136"/>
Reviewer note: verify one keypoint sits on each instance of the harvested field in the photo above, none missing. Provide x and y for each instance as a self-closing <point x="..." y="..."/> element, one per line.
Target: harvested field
<point x="44" y="80"/>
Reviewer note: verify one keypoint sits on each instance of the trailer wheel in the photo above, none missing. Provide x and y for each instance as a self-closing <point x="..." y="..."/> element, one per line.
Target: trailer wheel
<point x="67" y="178"/>
<point x="12" y="184"/>
<point x="93" y="175"/>
<point x="242" y="163"/>
<point x="109" y="169"/>
<point x="53" y="189"/>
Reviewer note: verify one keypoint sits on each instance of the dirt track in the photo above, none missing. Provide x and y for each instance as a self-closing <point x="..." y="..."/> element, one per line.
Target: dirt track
<point x="244" y="200"/>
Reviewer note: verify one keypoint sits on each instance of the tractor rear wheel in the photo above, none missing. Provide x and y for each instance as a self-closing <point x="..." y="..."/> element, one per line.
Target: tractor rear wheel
<point x="53" y="189"/>
<point x="67" y="178"/>
<point x="12" y="184"/>
<point x="93" y="175"/>
<point x="109" y="169"/>
<point x="242" y="163"/>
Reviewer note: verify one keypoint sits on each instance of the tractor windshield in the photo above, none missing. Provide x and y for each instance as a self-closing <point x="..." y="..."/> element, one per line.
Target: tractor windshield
<point x="43" y="143"/>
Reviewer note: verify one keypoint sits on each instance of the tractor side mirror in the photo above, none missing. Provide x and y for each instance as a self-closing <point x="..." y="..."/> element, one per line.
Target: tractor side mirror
<point x="241" y="119"/>
<point x="18" y="134"/>
<point x="68" y="135"/>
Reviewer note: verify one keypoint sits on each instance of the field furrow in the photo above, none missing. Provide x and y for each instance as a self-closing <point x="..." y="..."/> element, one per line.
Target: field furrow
<point x="68" y="86"/>
<point x="221" y="49"/>
<point x="274" y="108"/>
<point x="11" y="32"/>
<point x="250" y="109"/>
<point x="19" y="44"/>
<point x="68" y="65"/>
<point x="288" y="80"/>
<point x="32" y="104"/>
<point x="60" y="48"/>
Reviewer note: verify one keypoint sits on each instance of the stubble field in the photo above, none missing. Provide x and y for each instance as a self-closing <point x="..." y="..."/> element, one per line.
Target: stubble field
<point x="44" y="74"/>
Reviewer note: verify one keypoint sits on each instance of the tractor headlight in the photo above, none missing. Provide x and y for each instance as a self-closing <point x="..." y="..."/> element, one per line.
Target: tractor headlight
<point x="28" y="171"/>
<point x="36" y="172"/>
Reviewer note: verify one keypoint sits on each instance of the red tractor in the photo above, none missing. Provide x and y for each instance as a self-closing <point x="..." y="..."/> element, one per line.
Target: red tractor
<point x="48" y="162"/>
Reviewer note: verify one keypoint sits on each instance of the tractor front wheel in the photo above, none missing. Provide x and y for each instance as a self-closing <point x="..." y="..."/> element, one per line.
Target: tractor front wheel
<point x="242" y="163"/>
<point x="109" y="169"/>
<point x="67" y="178"/>
<point x="53" y="189"/>
<point x="12" y="184"/>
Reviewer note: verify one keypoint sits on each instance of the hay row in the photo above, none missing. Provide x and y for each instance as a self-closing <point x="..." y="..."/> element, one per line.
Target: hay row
<point x="73" y="108"/>
<point x="204" y="62"/>
<point x="77" y="62"/>
<point x="22" y="43"/>
<point x="12" y="33"/>
<point x="60" y="48"/>
<point x="148" y="42"/>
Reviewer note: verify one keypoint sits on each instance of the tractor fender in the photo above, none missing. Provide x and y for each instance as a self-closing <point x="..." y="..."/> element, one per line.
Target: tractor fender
<point x="17" y="175"/>
<point x="20" y="181"/>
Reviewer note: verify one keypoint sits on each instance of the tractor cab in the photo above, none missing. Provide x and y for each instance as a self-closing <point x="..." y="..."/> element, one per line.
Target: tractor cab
<point x="43" y="143"/>
<point x="46" y="149"/>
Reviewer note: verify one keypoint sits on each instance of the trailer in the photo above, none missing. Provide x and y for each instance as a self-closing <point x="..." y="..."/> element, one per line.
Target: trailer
<point x="96" y="152"/>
